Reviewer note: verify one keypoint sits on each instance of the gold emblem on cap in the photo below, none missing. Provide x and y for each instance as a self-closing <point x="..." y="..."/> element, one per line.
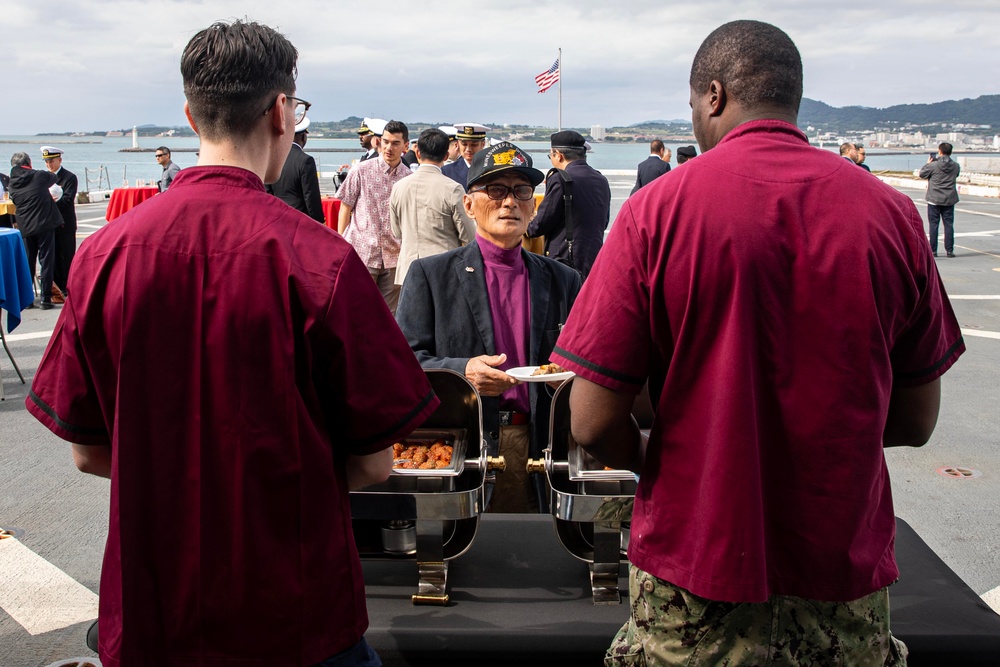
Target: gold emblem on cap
<point x="507" y="157"/>
<point x="468" y="129"/>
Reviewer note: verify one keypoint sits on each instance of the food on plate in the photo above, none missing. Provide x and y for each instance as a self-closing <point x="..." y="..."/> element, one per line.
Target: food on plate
<point x="549" y="369"/>
<point x="420" y="456"/>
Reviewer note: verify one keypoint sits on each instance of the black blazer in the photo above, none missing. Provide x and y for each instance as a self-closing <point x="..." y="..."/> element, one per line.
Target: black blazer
<point x="67" y="203"/>
<point x="650" y="169"/>
<point x="591" y="214"/>
<point x="444" y="313"/>
<point x="457" y="171"/>
<point x="298" y="185"/>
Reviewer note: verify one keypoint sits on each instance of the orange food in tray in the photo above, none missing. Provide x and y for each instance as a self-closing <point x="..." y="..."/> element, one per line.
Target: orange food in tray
<point x="549" y="369"/>
<point x="421" y="456"/>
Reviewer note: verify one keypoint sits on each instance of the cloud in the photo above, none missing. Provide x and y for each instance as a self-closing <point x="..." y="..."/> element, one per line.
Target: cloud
<point x="109" y="64"/>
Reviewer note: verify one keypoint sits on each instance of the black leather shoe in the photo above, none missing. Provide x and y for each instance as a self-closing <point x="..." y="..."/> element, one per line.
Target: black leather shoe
<point x="46" y="305"/>
<point x="951" y="254"/>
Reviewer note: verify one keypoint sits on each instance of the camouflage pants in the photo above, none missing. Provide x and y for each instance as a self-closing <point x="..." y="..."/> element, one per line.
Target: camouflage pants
<point x="671" y="626"/>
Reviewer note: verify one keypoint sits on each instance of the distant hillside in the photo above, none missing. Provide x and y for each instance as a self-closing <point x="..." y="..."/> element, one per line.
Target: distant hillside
<point x="984" y="110"/>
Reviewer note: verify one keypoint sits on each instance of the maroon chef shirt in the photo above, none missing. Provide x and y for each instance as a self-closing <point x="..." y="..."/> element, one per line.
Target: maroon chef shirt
<point x="232" y="352"/>
<point x="510" y="309"/>
<point x="773" y="294"/>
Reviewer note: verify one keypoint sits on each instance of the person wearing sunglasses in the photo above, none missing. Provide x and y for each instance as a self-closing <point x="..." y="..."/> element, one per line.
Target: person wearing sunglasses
<point x="490" y="306"/>
<point x="170" y="168"/>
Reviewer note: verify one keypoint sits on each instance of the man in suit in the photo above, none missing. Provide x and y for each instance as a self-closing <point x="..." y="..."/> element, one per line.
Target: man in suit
<point x="656" y="165"/>
<point x="298" y="185"/>
<point x="471" y="139"/>
<point x="426" y="212"/>
<point x="65" y="235"/>
<point x="591" y="209"/>
<point x="489" y="307"/>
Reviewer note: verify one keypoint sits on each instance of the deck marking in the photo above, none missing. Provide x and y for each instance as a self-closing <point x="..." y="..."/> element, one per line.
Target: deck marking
<point x="992" y="598"/>
<point x="980" y="334"/>
<point x="37" y="594"/>
<point x="974" y="297"/>
<point x="28" y="336"/>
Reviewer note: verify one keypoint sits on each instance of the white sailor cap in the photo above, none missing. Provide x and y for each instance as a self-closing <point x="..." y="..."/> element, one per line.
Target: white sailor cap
<point x="494" y="141"/>
<point x="450" y="130"/>
<point x="471" y="131"/>
<point x="49" y="152"/>
<point x="302" y="126"/>
<point x="376" y="125"/>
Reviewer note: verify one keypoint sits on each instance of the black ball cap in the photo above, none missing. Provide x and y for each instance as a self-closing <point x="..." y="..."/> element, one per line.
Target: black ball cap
<point x="568" y="139"/>
<point x="502" y="157"/>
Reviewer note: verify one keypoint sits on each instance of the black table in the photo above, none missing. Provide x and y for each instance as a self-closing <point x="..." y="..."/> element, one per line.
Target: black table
<point x="518" y="598"/>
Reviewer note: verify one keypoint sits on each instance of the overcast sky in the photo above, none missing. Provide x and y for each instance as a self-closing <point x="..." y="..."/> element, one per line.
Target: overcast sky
<point x="99" y="64"/>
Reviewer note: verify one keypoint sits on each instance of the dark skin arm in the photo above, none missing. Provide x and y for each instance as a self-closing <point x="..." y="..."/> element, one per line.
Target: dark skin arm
<point x="601" y="422"/>
<point x="913" y="413"/>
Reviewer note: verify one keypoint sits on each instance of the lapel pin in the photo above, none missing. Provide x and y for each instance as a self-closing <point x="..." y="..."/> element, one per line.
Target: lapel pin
<point x="469" y="269"/>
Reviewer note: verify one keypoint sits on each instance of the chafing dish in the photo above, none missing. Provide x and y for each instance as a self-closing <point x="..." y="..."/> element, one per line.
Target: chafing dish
<point x="590" y="504"/>
<point x="431" y="516"/>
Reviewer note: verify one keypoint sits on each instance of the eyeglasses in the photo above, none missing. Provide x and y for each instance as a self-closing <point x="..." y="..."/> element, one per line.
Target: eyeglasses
<point x="301" y="107"/>
<point x="498" y="192"/>
<point x="159" y="155"/>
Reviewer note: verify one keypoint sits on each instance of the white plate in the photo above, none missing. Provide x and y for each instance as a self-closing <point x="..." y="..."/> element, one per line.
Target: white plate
<point x="524" y="374"/>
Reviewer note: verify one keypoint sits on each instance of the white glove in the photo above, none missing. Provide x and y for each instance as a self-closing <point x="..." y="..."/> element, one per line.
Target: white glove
<point x="56" y="191"/>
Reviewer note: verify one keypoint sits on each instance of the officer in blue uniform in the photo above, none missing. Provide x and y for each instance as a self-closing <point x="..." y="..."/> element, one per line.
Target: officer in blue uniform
<point x="471" y="140"/>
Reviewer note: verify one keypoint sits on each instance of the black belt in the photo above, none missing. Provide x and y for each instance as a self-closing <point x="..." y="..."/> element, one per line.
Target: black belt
<point x="511" y="418"/>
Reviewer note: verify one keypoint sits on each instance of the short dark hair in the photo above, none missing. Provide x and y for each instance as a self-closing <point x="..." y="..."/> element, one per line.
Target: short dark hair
<point x="231" y="72"/>
<point x="20" y="159"/>
<point x="163" y="149"/>
<point x="945" y="148"/>
<point x="433" y="144"/>
<point x="572" y="154"/>
<point x="655" y="146"/>
<point x="756" y="63"/>
<point x="846" y="147"/>
<point x="397" y="127"/>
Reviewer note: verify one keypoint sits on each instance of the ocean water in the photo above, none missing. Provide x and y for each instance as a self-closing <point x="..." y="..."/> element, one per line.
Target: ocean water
<point x="88" y="157"/>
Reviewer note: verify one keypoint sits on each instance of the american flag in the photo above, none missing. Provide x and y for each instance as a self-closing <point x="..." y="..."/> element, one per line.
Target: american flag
<point x="546" y="79"/>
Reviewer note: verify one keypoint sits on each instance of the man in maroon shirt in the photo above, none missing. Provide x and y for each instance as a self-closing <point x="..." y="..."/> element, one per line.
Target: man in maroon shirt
<point x="784" y="345"/>
<point x="229" y="364"/>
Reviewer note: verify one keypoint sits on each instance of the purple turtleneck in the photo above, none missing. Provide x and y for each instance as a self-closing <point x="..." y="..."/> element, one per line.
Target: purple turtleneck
<point x="510" y="309"/>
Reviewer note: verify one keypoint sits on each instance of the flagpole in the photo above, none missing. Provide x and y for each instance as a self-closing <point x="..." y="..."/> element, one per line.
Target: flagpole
<point x="560" y="89"/>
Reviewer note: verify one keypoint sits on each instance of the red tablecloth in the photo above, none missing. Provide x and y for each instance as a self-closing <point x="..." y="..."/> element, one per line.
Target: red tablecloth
<point x="123" y="199"/>
<point x="331" y="209"/>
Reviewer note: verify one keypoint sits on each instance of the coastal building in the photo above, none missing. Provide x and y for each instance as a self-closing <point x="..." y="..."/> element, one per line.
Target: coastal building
<point x="597" y="132"/>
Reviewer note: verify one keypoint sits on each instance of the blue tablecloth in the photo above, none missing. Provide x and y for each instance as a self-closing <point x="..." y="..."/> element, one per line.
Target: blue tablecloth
<point x="16" y="292"/>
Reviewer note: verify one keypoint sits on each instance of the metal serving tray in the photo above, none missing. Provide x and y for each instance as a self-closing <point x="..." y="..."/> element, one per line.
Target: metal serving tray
<point x="456" y="437"/>
<point x="585" y="468"/>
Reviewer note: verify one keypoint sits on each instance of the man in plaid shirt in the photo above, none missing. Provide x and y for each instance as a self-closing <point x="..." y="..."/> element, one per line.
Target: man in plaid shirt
<point x="365" y="194"/>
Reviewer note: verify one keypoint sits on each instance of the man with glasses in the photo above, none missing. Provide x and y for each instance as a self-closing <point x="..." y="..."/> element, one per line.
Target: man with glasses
<point x="471" y="139"/>
<point x="365" y="195"/>
<point x="170" y="169"/>
<point x="573" y="233"/>
<point x="217" y="366"/>
<point x="490" y="306"/>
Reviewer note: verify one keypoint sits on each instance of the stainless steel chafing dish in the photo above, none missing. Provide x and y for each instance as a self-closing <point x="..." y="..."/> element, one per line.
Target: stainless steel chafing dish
<point x="591" y="505"/>
<point x="431" y="516"/>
